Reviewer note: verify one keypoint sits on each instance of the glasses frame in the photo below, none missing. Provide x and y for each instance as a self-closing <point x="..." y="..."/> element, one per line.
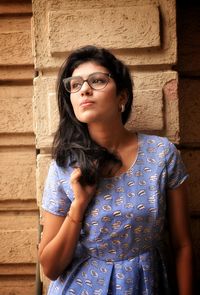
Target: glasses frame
<point x="66" y="80"/>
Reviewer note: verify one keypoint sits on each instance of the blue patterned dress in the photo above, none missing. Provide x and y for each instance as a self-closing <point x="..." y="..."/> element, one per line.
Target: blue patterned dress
<point x="120" y="250"/>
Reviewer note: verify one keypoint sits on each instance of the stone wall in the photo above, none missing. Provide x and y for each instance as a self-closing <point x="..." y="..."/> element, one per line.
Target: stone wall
<point x="18" y="209"/>
<point x="140" y="32"/>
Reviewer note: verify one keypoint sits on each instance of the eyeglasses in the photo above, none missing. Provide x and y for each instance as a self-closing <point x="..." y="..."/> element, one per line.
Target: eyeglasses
<point x="96" y="81"/>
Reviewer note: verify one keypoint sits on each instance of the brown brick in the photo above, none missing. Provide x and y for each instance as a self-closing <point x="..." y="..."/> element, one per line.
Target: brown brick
<point x="43" y="162"/>
<point x="17" y="174"/>
<point x="16" y="109"/>
<point x="15" y="7"/>
<point x="17" y="285"/>
<point x="132" y="27"/>
<point x="21" y="42"/>
<point x="18" y="246"/>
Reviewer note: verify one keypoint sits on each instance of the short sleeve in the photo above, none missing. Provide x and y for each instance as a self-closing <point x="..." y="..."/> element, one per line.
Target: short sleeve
<point x="55" y="198"/>
<point x="176" y="171"/>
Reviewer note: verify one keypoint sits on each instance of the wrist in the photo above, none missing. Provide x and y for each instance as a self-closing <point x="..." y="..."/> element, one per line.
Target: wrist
<point x="77" y="210"/>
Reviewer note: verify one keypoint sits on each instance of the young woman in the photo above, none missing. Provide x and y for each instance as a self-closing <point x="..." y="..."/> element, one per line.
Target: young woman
<point x="110" y="192"/>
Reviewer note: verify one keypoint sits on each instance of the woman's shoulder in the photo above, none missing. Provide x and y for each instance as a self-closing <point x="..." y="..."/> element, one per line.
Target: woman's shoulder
<point x="56" y="170"/>
<point x="150" y="139"/>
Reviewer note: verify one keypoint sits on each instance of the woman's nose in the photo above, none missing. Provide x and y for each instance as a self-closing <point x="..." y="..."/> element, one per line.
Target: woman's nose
<point x="85" y="89"/>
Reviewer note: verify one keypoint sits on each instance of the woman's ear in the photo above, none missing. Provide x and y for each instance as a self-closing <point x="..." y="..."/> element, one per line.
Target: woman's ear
<point x="123" y="98"/>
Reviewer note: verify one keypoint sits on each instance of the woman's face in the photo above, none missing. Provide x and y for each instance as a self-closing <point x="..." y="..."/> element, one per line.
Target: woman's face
<point x="95" y="106"/>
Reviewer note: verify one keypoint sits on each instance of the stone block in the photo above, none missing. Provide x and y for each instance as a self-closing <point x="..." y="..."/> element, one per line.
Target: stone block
<point x="21" y="41"/>
<point x="18" y="246"/>
<point x="15" y="7"/>
<point x="191" y="159"/>
<point x="18" y="73"/>
<point x="147" y="111"/>
<point x="130" y="28"/>
<point x="18" y="205"/>
<point x="19" y="285"/>
<point x="17" y="139"/>
<point x="43" y="162"/>
<point x="15" y="24"/>
<point x="13" y="221"/>
<point x="16" y="109"/>
<point x="45" y="110"/>
<point x="18" y="239"/>
<point x="17" y="174"/>
<point x="17" y="270"/>
<point x="189" y="111"/>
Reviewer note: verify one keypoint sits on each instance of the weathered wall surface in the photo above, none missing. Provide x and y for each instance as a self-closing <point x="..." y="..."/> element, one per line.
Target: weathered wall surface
<point x="18" y="209"/>
<point x="189" y="108"/>
<point x="140" y="32"/>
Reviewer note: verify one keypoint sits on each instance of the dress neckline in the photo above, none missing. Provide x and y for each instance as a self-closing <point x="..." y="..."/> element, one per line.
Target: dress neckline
<point x="120" y="175"/>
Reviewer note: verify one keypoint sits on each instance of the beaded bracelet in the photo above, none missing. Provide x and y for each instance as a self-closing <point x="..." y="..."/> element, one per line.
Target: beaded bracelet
<point x="74" y="221"/>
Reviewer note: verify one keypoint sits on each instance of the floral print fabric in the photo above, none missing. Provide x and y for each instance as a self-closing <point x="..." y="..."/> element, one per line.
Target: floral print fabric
<point x="120" y="250"/>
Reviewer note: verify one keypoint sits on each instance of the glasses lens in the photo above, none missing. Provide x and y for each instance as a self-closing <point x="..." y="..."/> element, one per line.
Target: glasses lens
<point x="98" y="80"/>
<point x="73" y="84"/>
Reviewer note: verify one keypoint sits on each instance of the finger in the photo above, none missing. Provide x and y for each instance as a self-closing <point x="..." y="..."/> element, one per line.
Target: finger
<point x="76" y="174"/>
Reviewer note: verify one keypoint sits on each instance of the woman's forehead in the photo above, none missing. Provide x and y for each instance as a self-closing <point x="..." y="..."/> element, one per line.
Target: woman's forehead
<point x="88" y="68"/>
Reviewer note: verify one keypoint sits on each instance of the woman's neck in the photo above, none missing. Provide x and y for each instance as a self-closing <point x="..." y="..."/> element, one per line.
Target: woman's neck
<point x="110" y="137"/>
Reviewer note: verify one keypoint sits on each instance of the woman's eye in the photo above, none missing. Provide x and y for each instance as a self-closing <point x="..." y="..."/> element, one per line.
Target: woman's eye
<point x="75" y="85"/>
<point x="98" y="81"/>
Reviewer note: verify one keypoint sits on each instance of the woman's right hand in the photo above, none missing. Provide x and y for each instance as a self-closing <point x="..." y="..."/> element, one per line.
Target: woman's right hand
<point x="82" y="194"/>
<point x="61" y="233"/>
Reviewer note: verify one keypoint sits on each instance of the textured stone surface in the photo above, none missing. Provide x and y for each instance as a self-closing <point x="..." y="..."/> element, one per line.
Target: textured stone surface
<point x="16" y="73"/>
<point x="43" y="162"/>
<point x="15" y="221"/>
<point x="190" y="111"/>
<point x="16" y="109"/>
<point x="17" y="269"/>
<point x="60" y="38"/>
<point x="18" y="210"/>
<point x="45" y="110"/>
<point x="18" y="139"/>
<point x="145" y="116"/>
<point x="14" y="7"/>
<point x="17" y="174"/>
<point x="132" y="27"/>
<point x="18" y="246"/>
<point x="19" y="285"/>
<point x="21" y="41"/>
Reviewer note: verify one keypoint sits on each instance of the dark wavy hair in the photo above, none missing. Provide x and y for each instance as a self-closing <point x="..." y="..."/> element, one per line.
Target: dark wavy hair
<point x="72" y="143"/>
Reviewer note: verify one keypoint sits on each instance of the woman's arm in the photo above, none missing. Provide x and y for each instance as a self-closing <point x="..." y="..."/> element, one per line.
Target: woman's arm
<point x="61" y="234"/>
<point x="180" y="237"/>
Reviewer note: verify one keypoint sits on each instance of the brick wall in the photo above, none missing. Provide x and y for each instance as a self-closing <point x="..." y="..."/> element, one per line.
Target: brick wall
<point x="18" y="209"/>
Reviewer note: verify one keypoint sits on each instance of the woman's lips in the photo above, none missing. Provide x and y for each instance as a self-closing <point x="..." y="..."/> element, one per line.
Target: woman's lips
<point x="86" y="102"/>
